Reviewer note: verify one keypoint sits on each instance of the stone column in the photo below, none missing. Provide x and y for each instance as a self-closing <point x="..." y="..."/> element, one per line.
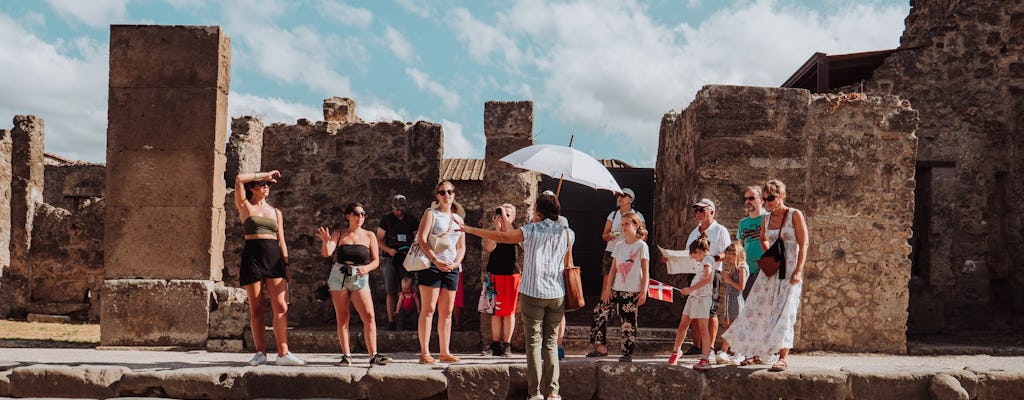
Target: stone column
<point x="508" y="126"/>
<point x="26" y="194"/>
<point x="5" y="208"/>
<point x="245" y="148"/>
<point x="164" y="233"/>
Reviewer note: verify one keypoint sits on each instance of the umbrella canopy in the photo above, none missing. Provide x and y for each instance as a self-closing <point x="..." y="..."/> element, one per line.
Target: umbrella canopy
<point x="564" y="163"/>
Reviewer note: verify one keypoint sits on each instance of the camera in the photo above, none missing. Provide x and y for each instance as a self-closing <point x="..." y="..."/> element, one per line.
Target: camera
<point x="499" y="212"/>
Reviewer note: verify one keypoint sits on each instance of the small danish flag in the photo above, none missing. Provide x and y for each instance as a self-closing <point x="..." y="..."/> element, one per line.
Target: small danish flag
<point x="660" y="291"/>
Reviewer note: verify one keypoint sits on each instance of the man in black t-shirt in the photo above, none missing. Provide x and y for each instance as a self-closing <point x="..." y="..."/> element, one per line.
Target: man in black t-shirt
<point x="396" y="231"/>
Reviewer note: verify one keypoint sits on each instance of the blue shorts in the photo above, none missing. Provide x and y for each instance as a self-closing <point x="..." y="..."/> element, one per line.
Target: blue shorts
<point x="342" y="280"/>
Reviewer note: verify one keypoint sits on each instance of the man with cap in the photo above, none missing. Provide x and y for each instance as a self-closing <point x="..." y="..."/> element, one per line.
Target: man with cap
<point x="718" y="236"/>
<point x="613" y="226"/>
<point x="395" y="233"/>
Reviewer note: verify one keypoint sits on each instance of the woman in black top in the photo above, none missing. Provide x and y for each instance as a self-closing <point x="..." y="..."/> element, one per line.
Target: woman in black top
<point x="356" y="254"/>
<point x="503" y="283"/>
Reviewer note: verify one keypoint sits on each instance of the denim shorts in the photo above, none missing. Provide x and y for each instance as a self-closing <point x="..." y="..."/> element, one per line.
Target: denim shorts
<point x="342" y="280"/>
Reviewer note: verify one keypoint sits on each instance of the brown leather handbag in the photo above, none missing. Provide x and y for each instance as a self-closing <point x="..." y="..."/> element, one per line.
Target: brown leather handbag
<point x="774" y="258"/>
<point x="573" y="284"/>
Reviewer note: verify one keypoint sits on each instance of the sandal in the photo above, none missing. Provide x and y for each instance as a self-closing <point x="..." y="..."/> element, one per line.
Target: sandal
<point x="427" y="359"/>
<point x="448" y="358"/>
<point x="779" y="366"/>
<point x="595" y="353"/>
<point x="751" y="361"/>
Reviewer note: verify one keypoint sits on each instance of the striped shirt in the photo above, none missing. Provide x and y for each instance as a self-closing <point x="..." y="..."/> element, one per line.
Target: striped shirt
<point x="544" y="246"/>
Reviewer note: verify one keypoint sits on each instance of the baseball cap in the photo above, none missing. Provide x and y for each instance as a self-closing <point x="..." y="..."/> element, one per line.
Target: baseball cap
<point x="706" y="203"/>
<point x="629" y="192"/>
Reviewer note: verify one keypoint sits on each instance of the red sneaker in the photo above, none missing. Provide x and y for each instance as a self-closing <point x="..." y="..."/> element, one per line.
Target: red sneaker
<point x="702" y="365"/>
<point x="674" y="358"/>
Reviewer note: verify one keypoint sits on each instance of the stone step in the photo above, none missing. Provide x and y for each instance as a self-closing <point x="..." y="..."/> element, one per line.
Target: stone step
<point x="576" y="341"/>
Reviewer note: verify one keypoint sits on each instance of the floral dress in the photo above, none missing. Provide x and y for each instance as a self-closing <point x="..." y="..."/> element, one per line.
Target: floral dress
<point x="766" y="323"/>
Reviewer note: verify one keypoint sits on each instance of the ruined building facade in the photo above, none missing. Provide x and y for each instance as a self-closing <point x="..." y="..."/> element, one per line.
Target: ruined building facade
<point x="961" y="64"/>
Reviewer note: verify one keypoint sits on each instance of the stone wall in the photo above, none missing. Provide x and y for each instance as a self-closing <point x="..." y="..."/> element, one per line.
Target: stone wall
<point x="848" y="163"/>
<point x="962" y="65"/>
<point x="166" y="128"/>
<point x="26" y="195"/>
<point x="5" y="203"/>
<point x="74" y="185"/>
<point x="67" y="261"/>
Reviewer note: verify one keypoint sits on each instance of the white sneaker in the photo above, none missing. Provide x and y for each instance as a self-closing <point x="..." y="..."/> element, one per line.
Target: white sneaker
<point x="259" y="358"/>
<point x="737" y="359"/>
<point x="722" y="358"/>
<point x="289" y="359"/>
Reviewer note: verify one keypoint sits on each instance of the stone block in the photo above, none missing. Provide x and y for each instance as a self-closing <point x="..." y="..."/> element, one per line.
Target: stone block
<point x="225" y="345"/>
<point x="478" y="382"/>
<point x="5" y="383"/>
<point x="340" y="109"/>
<point x="186" y="383"/>
<point x="508" y="119"/>
<point x="244" y="149"/>
<point x="57" y="308"/>
<point x="304" y="383"/>
<point x="889" y="383"/>
<point x="946" y="387"/>
<point x="230" y="316"/>
<point x="138" y="312"/>
<point x="995" y="384"/>
<point x="5" y="200"/>
<point x="577" y="380"/>
<point x="403" y="382"/>
<point x="795" y="382"/>
<point x="648" y="381"/>
<point x="745" y="110"/>
<point x="169" y="56"/>
<point x="171" y="178"/>
<point x="82" y="381"/>
<point x="166" y="119"/>
<point x="163" y="243"/>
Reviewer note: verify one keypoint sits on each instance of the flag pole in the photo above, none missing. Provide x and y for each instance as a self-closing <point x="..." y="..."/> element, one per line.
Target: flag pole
<point x="558" y="191"/>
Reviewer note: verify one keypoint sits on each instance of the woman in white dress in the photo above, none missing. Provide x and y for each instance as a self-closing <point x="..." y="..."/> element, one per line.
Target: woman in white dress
<point x="766" y="324"/>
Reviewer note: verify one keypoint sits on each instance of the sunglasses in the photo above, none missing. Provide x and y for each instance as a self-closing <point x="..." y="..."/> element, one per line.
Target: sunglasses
<point x="770" y="197"/>
<point x="749" y="198"/>
<point x="444" y="192"/>
<point x="698" y="210"/>
<point x="359" y="213"/>
<point x="264" y="183"/>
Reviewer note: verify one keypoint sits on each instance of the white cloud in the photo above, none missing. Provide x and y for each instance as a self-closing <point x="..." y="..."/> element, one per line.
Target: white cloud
<point x="416" y="7"/>
<point x="271" y="109"/>
<point x="380" y="112"/>
<point x="97" y="14"/>
<point x="346" y="14"/>
<point x="448" y="97"/>
<point x="64" y="83"/>
<point x="606" y="66"/>
<point x="398" y="44"/>
<point x="484" y="39"/>
<point x="290" y="55"/>
<point x="456" y="145"/>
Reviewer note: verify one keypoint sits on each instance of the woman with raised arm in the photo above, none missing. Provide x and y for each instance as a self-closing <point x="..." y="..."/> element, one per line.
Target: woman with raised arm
<point x="264" y="263"/>
<point x="445" y="246"/>
<point x="355" y="255"/>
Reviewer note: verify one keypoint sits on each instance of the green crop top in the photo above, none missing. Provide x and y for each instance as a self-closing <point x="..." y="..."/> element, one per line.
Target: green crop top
<point x="257" y="225"/>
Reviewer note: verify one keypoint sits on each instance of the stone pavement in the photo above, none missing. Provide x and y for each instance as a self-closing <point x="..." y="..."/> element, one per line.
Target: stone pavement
<point x="93" y="373"/>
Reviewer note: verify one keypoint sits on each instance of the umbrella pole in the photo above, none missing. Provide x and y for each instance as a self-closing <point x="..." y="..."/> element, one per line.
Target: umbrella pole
<point x="559" y="189"/>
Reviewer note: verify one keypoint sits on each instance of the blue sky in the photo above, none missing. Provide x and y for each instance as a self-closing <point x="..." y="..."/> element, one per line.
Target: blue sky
<point x="605" y="71"/>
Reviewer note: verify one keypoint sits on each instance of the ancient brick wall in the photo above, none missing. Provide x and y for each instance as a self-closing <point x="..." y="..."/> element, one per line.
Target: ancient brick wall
<point x="848" y="163"/>
<point x="961" y="64"/>
<point x="67" y="261"/>
<point x="26" y="160"/>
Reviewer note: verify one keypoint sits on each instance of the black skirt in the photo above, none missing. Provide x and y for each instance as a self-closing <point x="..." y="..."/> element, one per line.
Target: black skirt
<point x="261" y="259"/>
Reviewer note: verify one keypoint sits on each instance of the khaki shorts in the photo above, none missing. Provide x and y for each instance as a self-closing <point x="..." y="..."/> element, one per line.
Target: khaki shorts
<point x="698" y="307"/>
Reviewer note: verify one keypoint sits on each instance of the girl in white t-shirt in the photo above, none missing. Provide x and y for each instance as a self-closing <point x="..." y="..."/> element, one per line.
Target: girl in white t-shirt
<point x="625" y="289"/>
<point x="698" y="304"/>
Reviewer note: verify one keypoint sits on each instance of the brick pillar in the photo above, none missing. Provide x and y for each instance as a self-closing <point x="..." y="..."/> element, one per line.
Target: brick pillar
<point x="5" y="209"/>
<point x="508" y="126"/>
<point x="26" y="194"/>
<point x="245" y="148"/>
<point x="164" y="232"/>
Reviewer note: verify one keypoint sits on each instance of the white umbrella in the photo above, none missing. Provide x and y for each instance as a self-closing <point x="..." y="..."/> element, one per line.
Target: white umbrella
<point x="564" y="163"/>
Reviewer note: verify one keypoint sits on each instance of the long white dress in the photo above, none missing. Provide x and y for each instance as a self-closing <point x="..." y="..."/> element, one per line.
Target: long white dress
<point x="766" y="323"/>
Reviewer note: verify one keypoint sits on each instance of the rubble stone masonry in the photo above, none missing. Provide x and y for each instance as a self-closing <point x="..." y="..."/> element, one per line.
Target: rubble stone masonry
<point x="962" y="65"/>
<point x="848" y="164"/>
<point x="26" y="196"/>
